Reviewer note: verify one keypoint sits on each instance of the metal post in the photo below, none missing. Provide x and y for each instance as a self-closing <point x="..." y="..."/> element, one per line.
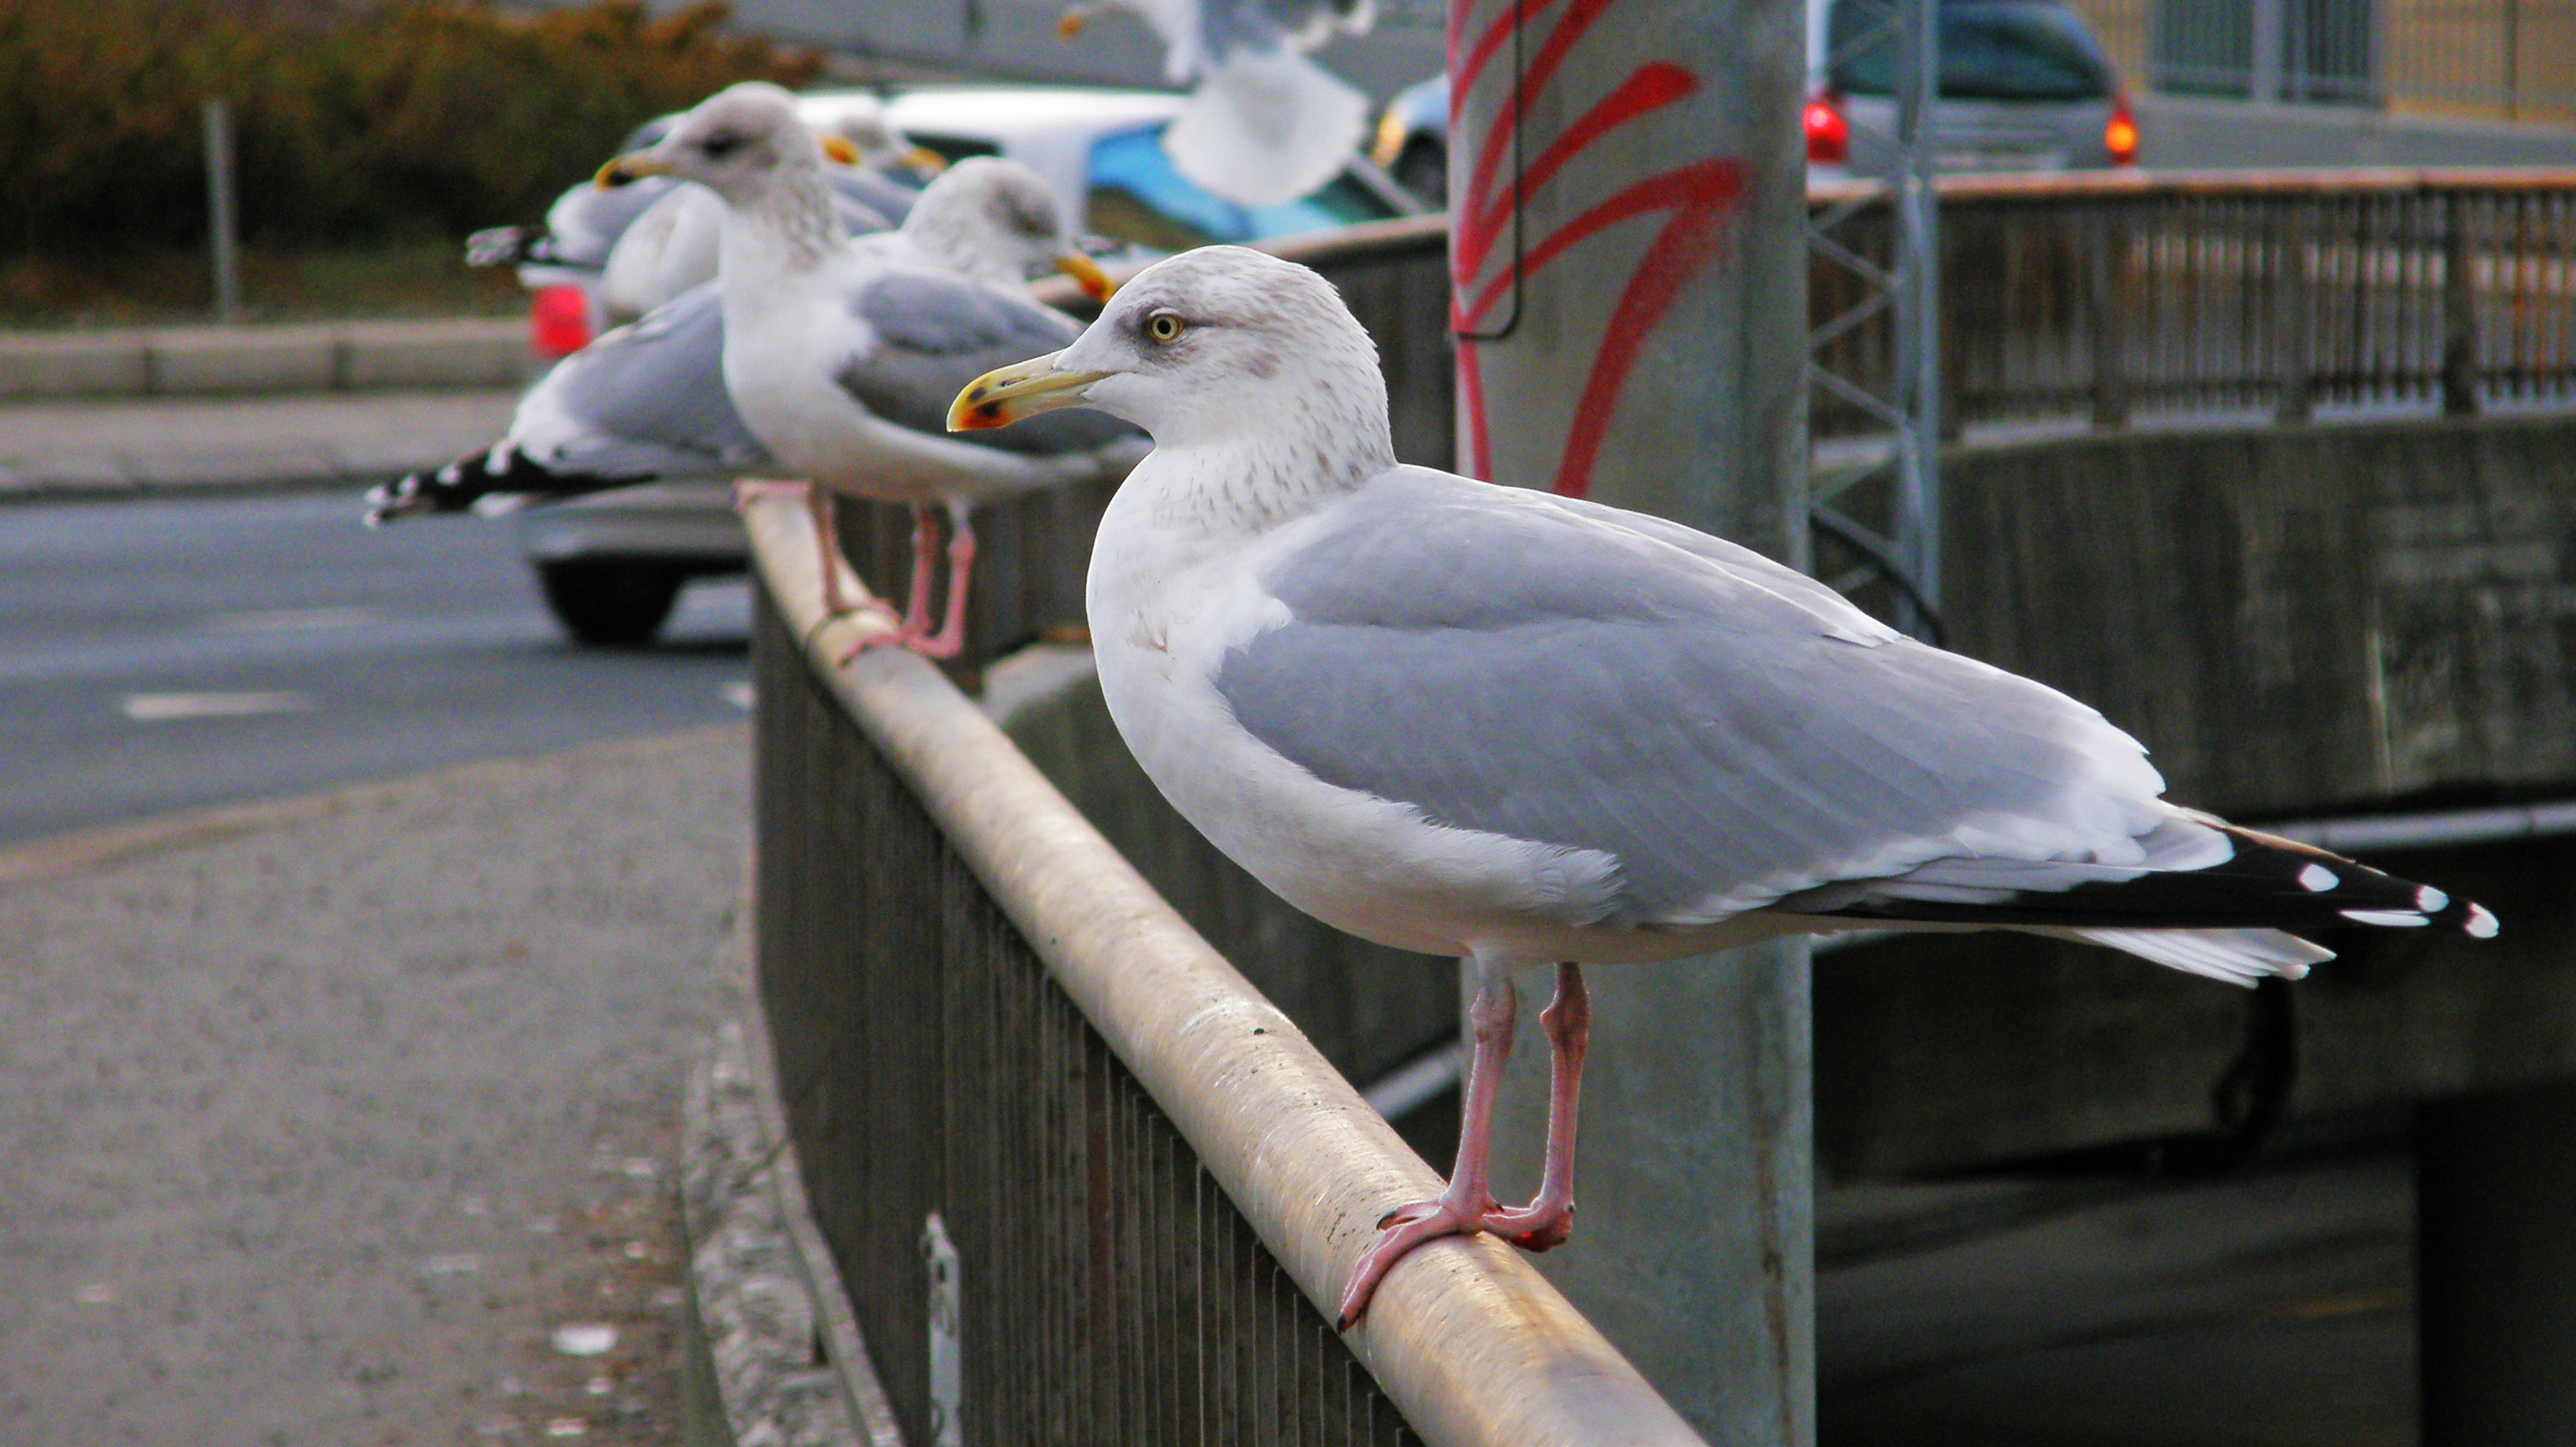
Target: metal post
<point x="2496" y="1268"/>
<point x="1918" y="310"/>
<point x="221" y="220"/>
<point x="2263" y="64"/>
<point x="1632" y="315"/>
<point x="1900" y="545"/>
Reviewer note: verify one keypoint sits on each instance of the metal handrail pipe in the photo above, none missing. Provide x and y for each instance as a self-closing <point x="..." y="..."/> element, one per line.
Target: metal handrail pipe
<point x="1467" y="1339"/>
<point x="2128" y="184"/>
<point x="2443" y="829"/>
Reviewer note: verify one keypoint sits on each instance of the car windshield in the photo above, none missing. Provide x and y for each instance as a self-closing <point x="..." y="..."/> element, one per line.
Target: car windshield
<point x="2026" y="50"/>
<point x="1134" y="195"/>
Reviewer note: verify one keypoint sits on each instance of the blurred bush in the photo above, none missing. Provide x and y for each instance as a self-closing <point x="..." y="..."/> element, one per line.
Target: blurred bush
<point x="358" y="121"/>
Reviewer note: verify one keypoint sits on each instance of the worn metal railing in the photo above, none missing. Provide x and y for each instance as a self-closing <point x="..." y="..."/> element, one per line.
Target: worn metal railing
<point x="1138" y="1185"/>
<point x="2111" y="296"/>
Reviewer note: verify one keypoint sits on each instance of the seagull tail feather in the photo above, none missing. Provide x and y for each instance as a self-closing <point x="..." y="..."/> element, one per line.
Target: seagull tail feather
<point x="464" y="484"/>
<point x="2232" y="956"/>
<point x="1266" y="127"/>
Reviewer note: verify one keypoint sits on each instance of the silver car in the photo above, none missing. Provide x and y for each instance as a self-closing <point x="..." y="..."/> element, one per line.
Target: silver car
<point x="2023" y="87"/>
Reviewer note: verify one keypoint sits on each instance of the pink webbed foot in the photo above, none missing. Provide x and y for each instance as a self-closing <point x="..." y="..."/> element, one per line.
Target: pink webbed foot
<point x="1468" y="1207"/>
<point x="1404" y="1228"/>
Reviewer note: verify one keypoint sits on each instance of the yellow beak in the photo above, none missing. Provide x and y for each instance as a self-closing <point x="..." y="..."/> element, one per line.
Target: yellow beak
<point x="842" y="150"/>
<point x="1024" y="389"/>
<point x="924" y="159"/>
<point x="1087" y="274"/>
<point x="631" y="167"/>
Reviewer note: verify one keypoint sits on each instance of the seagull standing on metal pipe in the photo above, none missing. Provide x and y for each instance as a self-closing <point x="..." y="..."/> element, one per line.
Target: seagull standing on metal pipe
<point x="841" y="356"/>
<point x="1522" y="729"/>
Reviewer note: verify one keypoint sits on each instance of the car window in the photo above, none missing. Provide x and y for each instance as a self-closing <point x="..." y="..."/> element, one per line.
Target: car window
<point x="952" y="149"/>
<point x="1135" y="195"/>
<point x="2027" y="50"/>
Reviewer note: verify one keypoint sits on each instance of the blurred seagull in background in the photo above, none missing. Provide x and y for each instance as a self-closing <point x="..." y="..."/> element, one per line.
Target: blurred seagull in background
<point x="1265" y="124"/>
<point x="671" y="247"/>
<point x="648" y="402"/>
<point x="842" y="356"/>
<point x="1527" y="729"/>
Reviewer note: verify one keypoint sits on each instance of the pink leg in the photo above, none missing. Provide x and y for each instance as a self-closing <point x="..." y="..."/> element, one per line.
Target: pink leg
<point x="1461" y="1209"/>
<point x="961" y="567"/>
<point x="915" y="633"/>
<point x="1546" y="1221"/>
<point x="925" y="556"/>
<point x="827" y="545"/>
<point x="916" y="613"/>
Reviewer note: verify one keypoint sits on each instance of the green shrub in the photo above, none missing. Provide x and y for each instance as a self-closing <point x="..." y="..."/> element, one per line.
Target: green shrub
<point x="355" y="123"/>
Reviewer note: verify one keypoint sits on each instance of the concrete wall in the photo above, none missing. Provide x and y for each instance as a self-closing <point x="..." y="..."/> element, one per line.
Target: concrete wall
<point x="2294" y="620"/>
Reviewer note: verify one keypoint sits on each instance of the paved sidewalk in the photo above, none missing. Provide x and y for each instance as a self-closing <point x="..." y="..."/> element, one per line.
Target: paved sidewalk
<point x="158" y="444"/>
<point x="320" y="1119"/>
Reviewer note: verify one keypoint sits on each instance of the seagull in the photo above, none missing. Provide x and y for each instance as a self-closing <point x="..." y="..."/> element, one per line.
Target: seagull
<point x="1266" y="124"/>
<point x="842" y="355"/>
<point x="671" y="247"/>
<point x="647" y="401"/>
<point x="1520" y="728"/>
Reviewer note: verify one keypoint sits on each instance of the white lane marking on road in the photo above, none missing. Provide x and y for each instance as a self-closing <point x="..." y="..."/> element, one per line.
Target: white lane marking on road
<point x="165" y="707"/>
<point x="737" y="693"/>
<point x="293" y="620"/>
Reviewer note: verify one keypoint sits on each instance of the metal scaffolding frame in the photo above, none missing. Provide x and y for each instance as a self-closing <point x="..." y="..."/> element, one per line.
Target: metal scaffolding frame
<point x="1900" y="545"/>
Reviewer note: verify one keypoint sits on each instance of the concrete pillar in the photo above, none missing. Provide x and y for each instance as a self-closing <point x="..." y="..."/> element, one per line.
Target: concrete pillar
<point x="1635" y="330"/>
<point x="2495" y="1231"/>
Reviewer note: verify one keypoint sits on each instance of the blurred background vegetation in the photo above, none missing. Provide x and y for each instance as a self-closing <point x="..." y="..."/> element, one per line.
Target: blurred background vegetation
<point x="372" y="135"/>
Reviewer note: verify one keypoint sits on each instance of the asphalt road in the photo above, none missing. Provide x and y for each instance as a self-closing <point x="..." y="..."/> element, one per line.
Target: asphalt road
<point x="164" y="655"/>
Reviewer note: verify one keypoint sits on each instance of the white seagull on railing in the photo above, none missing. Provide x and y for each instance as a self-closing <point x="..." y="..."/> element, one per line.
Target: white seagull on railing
<point x="1265" y="123"/>
<point x="1519" y="728"/>
<point x="671" y="247"/>
<point x="842" y="356"/>
<point x="647" y="402"/>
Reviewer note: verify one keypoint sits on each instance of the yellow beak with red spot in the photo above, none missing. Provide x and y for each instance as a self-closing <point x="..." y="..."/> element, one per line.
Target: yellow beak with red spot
<point x="1006" y="394"/>
<point x="1086" y="273"/>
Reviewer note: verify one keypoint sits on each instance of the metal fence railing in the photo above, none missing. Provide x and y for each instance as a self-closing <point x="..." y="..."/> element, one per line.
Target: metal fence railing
<point x="1084" y="1184"/>
<point x="2112" y="296"/>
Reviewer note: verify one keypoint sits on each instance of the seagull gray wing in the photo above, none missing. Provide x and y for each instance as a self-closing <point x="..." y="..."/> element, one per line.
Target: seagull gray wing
<point x="1509" y="664"/>
<point x="584" y="223"/>
<point x="647" y="400"/>
<point x="930" y="333"/>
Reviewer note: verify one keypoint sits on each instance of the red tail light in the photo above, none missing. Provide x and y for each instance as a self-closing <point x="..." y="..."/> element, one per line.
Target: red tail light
<point x="1828" y="134"/>
<point x="2120" y="133"/>
<point x="559" y="320"/>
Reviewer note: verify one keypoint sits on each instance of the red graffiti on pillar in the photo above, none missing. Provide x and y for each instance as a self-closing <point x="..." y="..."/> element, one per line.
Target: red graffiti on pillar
<point x="1697" y="197"/>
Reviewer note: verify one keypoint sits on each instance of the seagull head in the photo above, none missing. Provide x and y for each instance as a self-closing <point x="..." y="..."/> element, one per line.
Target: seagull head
<point x="995" y="219"/>
<point x="1214" y="345"/>
<point x="874" y="142"/>
<point x="738" y="143"/>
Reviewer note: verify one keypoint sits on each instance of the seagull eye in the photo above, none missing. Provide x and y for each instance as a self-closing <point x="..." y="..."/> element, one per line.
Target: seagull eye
<point x="1165" y="326"/>
<point x="720" y="145"/>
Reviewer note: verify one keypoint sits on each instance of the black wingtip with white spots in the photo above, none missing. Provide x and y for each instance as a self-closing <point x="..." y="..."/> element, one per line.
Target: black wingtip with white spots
<point x="2264" y="883"/>
<point x="461" y="484"/>
<point x="2358" y="894"/>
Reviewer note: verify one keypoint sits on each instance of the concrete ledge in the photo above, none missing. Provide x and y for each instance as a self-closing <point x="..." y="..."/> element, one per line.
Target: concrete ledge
<point x="782" y="1346"/>
<point x="354" y="356"/>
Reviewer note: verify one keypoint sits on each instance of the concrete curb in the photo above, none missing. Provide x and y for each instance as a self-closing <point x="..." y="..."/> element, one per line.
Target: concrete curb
<point x="348" y="356"/>
<point x="781" y="1342"/>
<point x="111" y="448"/>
